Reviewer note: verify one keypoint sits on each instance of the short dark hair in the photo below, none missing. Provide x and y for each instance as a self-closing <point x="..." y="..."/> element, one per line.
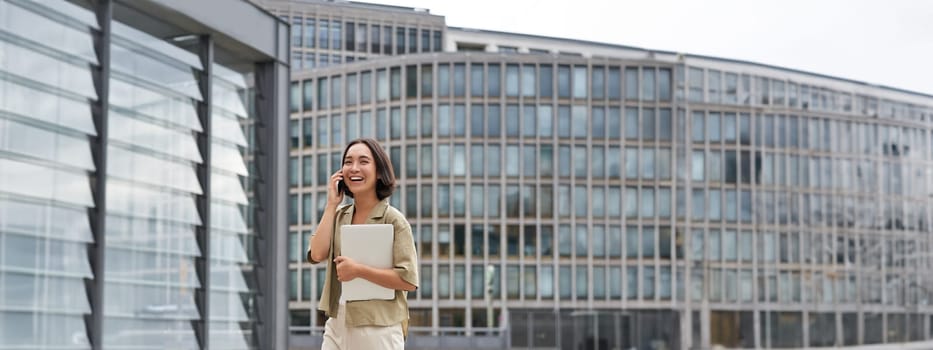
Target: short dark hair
<point x="385" y="183"/>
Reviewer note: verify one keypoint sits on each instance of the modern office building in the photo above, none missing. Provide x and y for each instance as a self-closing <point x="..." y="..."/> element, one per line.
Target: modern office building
<point x="142" y="175"/>
<point x="624" y="197"/>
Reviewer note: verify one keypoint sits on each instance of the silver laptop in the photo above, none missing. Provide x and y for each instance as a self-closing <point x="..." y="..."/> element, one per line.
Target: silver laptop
<point x="370" y="245"/>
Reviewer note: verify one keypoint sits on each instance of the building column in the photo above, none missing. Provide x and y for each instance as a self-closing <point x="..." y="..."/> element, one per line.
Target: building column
<point x="94" y="322"/>
<point x="202" y="264"/>
<point x="271" y="190"/>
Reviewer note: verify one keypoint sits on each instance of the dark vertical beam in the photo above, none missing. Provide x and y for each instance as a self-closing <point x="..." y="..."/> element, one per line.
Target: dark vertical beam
<point x="202" y="264"/>
<point x="271" y="156"/>
<point x="94" y="322"/>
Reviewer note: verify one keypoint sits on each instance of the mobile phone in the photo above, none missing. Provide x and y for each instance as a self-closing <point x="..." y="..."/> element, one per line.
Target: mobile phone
<point x="342" y="188"/>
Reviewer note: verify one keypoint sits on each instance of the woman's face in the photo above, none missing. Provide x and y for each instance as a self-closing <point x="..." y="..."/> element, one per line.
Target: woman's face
<point x="359" y="170"/>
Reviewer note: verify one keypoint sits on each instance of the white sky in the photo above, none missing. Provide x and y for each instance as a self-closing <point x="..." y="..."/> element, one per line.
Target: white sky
<point x="886" y="42"/>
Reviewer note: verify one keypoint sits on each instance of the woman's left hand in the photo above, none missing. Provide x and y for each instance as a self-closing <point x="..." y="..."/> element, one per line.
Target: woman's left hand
<point x="347" y="269"/>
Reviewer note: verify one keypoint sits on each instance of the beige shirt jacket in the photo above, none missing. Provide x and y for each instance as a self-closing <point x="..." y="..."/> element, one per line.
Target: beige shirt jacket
<point x="405" y="263"/>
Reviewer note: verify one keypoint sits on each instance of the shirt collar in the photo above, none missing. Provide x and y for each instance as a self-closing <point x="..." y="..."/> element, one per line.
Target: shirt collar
<point x="378" y="211"/>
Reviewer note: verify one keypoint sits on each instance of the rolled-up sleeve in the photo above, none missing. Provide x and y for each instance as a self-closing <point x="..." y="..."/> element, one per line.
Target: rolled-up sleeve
<point x="404" y="255"/>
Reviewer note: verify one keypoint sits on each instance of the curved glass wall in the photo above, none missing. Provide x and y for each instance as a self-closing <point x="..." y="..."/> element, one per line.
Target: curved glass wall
<point x="46" y="93"/>
<point x="48" y="68"/>
<point x="653" y="193"/>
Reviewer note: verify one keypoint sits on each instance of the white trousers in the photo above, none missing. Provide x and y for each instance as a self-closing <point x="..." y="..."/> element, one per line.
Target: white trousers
<point x="338" y="336"/>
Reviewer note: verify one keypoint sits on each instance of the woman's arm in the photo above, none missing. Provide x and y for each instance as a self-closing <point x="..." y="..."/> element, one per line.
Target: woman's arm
<point x="320" y="240"/>
<point x="319" y="246"/>
<point x="347" y="270"/>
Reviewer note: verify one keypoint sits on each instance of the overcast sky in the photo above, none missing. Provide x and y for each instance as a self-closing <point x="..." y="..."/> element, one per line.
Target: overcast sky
<point x="887" y="42"/>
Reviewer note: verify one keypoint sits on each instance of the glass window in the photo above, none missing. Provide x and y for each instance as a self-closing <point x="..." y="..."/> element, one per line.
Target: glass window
<point x="579" y="82"/>
<point x="664" y="202"/>
<point x="631" y="123"/>
<point x="647" y="84"/>
<point x="425" y="40"/>
<point x="545" y="121"/>
<point x="511" y="160"/>
<point x="664" y="124"/>
<point x="547" y="201"/>
<point x="631" y="202"/>
<point x="715" y="165"/>
<point x="615" y="83"/>
<point x="411" y="121"/>
<point x="631" y="163"/>
<point x="696" y="84"/>
<point x="647" y="163"/>
<point x="663" y="163"/>
<point x="459" y="80"/>
<point x="528" y="80"/>
<point x="459" y="120"/>
<point x="443" y="160"/>
<point x="443" y="80"/>
<point x="564" y="165"/>
<point x="563" y="205"/>
<point x="529" y="151"/>
<point x="563" y="121"/>
<point x="511" y="80"/>
<point x="322" y="132"/>
<point x="580" y="241"/>
<point x="615" y="242"/>
<point x="351" y="37"/>
<point x="581" y="201"/>
<point x="647" y="124"/>
<point x="382" y="85"/>
<point x="494" y="81"/>
<point x="580" y="163"/>
<point x="597" y="163"/>
<point x="599" y="82"/>
<point x="731" y="90"/>
<point x="395" y="123"/>
<point x="528" y="121"/>
<point x="459" y="160"/>
<point x="699" y="204"/>
<point x="512" y="121"/>
<point x="427" y="80"/>
<point x="324" y="38"/>
<point x="646" y="207"/>
<point x="631" y="83"/>
<point x="459" y="197"/>
<point x="335" y="30"/>
<point x="476" y="79"/>
<point x="563" y="81"/>
<point x="492" y="160"/>
<point x="566" y="283"/>
<point x="664" y="84"/>
<point x="427" y="119"/>
<point x="582" y="285"/>
<point x="598" y="201"/>
<point x="614" y="123"/>
<point x="494" y="123"/>
<point x="309" y="32"/>
<point x="546" y="83"/>
<point x="698" y="127"/>
<point x="579" y="121"/>
<point x="412" y="40"/>
<point x="395" y="80"/>
<point x="632" y="242"/>
<point x="546" y="282"/>
<point x="293" y="169"/>
<point x="598" y="125"/>
<point x="565" y="243"/>
<point x="613" y="162"/>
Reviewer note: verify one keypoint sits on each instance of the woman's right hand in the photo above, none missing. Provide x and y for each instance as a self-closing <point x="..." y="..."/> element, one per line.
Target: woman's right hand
<point x="334" y="196"/>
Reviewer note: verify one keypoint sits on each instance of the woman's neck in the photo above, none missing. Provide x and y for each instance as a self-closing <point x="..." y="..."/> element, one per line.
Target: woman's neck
<point x="365" y="202"/>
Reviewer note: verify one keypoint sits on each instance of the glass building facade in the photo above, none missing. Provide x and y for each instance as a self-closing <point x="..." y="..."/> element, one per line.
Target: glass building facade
<point x="620" y="197"/>
<point x="752" y="211"/>
<point x="129" y="215"/>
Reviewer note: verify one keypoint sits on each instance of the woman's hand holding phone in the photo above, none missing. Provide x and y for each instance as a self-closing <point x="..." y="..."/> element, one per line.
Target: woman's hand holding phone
<point x="335" y="190"/>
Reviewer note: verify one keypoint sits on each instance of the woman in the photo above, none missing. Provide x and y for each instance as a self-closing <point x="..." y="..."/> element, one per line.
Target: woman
<point x="367" y="177"/>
